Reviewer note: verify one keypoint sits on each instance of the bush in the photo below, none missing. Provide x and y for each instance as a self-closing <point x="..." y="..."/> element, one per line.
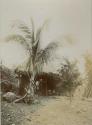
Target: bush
<point x="70" y="77"/>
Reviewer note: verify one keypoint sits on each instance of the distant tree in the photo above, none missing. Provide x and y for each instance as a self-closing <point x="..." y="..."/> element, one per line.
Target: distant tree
<point x="7" y="80"/>
<point x="70" y="77"/>
<point x="88" y="70"/>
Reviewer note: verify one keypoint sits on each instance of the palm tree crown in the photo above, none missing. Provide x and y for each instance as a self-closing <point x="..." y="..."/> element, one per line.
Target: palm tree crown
<point x="31" y="41"/>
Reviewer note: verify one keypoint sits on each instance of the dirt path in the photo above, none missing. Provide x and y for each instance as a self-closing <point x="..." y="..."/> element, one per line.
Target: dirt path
<point x="61" y="112"/>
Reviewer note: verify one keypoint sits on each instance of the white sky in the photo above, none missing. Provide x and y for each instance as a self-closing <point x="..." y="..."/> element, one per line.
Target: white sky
<point x="66" y="17"/>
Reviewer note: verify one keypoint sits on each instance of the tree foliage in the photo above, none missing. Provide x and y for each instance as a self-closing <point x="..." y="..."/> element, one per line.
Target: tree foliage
<point x="70" y="76"/>
<point x="31" y="40"/>
<point x="88" y="69"/>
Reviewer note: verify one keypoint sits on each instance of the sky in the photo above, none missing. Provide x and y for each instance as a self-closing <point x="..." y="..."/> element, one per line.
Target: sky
<point x="70" y="18"/>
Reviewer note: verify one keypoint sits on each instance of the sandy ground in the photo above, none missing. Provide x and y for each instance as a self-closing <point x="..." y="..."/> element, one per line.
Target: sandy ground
<point x="48" y="111"/>
<point x="60" y="112"/>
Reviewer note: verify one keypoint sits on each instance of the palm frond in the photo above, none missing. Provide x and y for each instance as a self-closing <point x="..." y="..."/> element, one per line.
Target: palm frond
<point x="18" y="38"/>
<point x="33" y="31"/>
<point x="36" y="42"/>
<point x="24" y="28"/>
<point x="36" y="45"/>
<point x="43" y="56"/>
<point x="39" y="31"/>
<point x="48" y="53"/>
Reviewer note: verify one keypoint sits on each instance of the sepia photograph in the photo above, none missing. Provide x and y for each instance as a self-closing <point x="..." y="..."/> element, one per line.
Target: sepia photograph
<point x="46" y="62"/>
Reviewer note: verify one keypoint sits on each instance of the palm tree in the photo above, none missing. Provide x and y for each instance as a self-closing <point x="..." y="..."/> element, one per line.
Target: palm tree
<point x="31" y="41"/>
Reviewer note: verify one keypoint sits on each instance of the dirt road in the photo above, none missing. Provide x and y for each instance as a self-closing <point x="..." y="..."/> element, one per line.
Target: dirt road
<point x="60" y="112"/>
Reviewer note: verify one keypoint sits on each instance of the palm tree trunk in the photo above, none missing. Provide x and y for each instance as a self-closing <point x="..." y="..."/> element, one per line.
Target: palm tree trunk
<point x="32" y="85"/>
